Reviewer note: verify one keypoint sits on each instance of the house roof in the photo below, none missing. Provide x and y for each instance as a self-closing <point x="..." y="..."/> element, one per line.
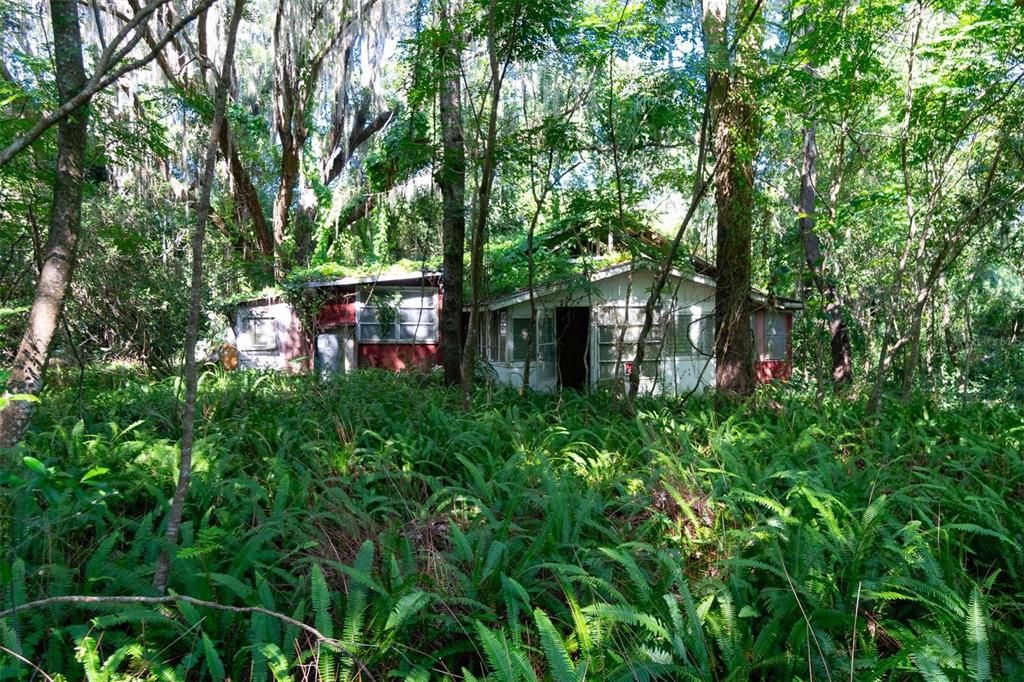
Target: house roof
<point x="779" y="302"/>
<point x="410" y="277"/>
<point x="700" y="277"/>
<point x="597" y="276"/>
<point x="387" y="278"/>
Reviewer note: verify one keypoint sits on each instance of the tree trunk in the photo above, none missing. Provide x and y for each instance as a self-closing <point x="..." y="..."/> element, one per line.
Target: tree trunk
<point x="839" y="334"/>
<point x="476" y="259"/>
<point x="176" y="512"/>
<point x="282" y="204"/>
<point x="452" y="180"/>
<point x="65" y="221"/>
<point x="248" y="206"/>
<point x="699" y="188"/>
<point x="287" y="108"/>
<point x="734" y="144"/>
<point x="887" y="349"/>
<point x="531" y="266"/>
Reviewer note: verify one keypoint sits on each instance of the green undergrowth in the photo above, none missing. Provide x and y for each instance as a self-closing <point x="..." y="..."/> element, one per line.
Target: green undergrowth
<point x="527" y="538"/>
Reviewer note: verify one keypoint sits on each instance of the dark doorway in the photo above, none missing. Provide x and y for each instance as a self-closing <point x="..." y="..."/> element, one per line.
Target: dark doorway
<point x="572" y="331"/>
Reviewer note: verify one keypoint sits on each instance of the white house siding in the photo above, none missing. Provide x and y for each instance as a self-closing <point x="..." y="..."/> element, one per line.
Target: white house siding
<point x="607" y="299"/>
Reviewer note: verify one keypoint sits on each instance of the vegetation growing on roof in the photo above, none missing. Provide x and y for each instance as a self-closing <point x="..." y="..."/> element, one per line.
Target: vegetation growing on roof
<point x="326" y="272"/>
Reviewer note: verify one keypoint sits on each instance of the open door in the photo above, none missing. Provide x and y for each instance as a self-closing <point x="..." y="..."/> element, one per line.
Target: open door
<point x="572" y="334"/>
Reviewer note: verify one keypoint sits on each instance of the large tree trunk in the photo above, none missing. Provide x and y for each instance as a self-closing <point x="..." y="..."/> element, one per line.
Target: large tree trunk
<point x="452" y="179"/>
<point x="282" y="204"/>
<point x="287" y="108"/>
<point x="734" y="144"/>
<point x="734" y="200"/>
<point x="839" y="334"/>
<point x="248" y="206"/>
<point x="176" y="512"/>
<point x="65" y="220"/>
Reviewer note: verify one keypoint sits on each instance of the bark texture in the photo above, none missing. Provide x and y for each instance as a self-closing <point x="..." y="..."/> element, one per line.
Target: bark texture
<point x="734" y="144"/>
<point x="176" y="512"/>
<point x="452" y="180"/>
<point x="839" y="333"/>
<point x="65" y="221"/>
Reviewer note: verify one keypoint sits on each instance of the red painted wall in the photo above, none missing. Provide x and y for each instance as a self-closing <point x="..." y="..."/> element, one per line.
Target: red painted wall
<point x="398" y="356"/>
<point x="771" y="370"/>
<point x="337" y="312"/>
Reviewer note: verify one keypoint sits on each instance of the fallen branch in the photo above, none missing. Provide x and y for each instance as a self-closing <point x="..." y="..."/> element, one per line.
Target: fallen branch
<point x="86" y="600"/>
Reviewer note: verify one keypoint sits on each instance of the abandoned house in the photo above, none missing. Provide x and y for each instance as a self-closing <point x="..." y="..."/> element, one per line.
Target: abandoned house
<point x="585" y="335"/>
<point x="388" y="321"/>
<point x="587" y="331"/>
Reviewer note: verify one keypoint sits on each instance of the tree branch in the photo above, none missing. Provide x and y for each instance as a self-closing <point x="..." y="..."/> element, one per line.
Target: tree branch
<point x="95" y="85"/>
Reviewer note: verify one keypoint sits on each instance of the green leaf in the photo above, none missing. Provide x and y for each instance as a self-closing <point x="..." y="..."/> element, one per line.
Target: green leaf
<point x="559" y="661"/>
<point x="35" y="465"/>
<point x="213" y="662"/>
<point x="94" y="473"/>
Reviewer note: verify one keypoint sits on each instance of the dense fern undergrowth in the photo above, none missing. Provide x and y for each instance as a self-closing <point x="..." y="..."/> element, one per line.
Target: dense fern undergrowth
<point x="529" y="538"/>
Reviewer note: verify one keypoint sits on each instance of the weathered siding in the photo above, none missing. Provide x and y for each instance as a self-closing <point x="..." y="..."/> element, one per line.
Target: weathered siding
<point x="770" y="363"/>
<point x="607" y="300"/>
<point x="338" y="311"/>
<point x="398" y="356"/>
<point x="276" y="343"/>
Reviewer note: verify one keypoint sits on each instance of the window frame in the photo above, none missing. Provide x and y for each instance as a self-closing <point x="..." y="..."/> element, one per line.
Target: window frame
<point x="365" y="308"/>
<point x="247" y="332"/>
<point x="626" y="353"/>
<point x="779" y="333"/>
<point x="499" y="333"/>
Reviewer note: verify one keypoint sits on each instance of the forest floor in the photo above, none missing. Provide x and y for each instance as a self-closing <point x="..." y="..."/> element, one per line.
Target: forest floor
<point x="790" y="538"/>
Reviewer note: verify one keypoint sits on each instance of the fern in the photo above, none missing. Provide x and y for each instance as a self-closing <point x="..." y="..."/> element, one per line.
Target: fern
<point x="977" y="636"/>
<point x="558" y="659"/>
<point x="321" y="598"/>
<point x="355" y="611"/>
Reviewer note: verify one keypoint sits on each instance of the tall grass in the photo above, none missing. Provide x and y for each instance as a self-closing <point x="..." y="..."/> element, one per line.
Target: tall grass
<point x="545" y="537"/>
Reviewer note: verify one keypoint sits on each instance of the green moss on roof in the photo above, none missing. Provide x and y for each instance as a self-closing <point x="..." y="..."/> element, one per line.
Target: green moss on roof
<point x="330" y="271"/>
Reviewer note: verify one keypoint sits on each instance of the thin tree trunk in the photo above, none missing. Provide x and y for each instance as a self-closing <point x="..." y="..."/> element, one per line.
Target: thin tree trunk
<point x="174" y="516"/>
<point x="699" y="188"/>
<point x="65" y="221"/>
<point x="839" y="334"/>
<point x="531" y="260"/>
<point x="951" y="249"/>
<point x="452" y="180"/>
<point x="476" y="262"/>
<point x="887" y="349"/>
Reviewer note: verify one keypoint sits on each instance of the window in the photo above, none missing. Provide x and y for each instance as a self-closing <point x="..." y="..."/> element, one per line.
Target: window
<point x="543" y="340"/>
<point x="681" y="334"/>
<point x="520" y="337"/>
<point x="256" y="329"/>
<point x="775" y="336"/>
<point x="706" y="338"/>
<point x="398" y="315"/>
<point x="547" y="367"/>
<point x="610" y="351"/>
<point x="499" y="336"/>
